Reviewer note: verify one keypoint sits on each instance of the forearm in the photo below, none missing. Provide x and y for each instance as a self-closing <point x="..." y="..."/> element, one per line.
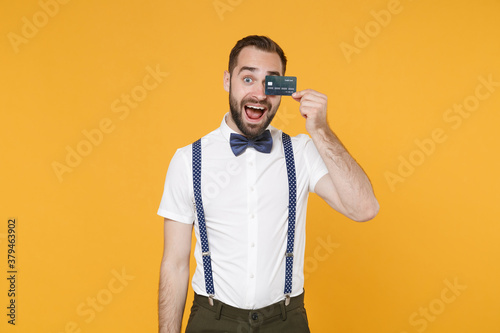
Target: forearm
<point x="352" y="185"/>
<point x="172" y="297"/>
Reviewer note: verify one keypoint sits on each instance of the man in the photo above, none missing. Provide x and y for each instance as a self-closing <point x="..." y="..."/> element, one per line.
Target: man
<point x="250" y="256"/>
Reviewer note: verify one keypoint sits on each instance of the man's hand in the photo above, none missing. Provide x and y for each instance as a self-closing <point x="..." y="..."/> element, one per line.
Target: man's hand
<point x="313" y="106"/>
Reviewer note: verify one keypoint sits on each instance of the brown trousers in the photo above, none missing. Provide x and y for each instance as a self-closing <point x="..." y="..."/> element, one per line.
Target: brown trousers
<point x="221" y="317"/>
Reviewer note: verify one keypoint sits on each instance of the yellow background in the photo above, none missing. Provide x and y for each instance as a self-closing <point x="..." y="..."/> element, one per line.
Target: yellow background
<point x="438" y="223"/>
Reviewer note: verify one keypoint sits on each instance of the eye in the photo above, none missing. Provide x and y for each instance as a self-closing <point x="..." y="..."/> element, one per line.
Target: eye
<point x="247" y="79"/>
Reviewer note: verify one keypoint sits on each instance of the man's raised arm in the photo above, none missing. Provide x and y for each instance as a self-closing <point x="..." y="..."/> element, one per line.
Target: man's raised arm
<point x="346" y="187"/>
<point x="174" y="275"/>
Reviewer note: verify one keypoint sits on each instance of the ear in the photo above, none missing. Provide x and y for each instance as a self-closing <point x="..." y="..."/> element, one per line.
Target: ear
<point x="227" y="81"/>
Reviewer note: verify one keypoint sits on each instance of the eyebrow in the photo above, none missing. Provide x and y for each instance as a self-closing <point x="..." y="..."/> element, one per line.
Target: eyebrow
<point x="253" y="69"/>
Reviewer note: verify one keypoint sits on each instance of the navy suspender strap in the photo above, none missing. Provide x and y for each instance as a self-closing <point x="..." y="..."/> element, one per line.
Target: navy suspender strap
<point x="207" y="259"/>
<point x="292" y="204"/>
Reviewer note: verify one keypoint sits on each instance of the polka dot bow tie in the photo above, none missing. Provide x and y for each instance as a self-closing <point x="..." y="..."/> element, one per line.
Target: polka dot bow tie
<point x="262" y="143"/>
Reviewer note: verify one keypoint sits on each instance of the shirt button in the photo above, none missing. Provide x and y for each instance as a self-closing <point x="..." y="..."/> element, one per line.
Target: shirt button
<point x="252" y="244"/>
<point x="252" y="216"/>
<point x="251" y="276"/>
<point x="251" y="189"/>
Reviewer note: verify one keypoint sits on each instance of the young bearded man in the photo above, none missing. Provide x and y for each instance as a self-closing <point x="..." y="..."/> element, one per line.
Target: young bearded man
<point x="244" y="188"/>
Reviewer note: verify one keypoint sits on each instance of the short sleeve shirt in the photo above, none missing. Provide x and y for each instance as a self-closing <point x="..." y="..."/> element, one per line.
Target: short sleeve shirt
<point x="245" y="199"/>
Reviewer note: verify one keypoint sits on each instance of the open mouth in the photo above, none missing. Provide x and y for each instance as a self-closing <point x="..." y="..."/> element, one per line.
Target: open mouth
<point x="254" y="112"/>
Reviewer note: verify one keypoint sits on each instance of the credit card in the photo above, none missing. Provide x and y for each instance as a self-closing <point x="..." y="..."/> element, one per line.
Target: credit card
<point x="280" y="85"/>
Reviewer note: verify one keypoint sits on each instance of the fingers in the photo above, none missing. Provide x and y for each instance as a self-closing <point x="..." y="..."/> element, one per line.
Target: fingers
<point x="310" y="99"/>
<point x="298" y="95"/>
<point x="313" y="107"/>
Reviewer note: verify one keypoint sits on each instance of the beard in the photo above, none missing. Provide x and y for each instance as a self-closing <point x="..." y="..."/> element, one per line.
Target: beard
<point x="250" y="130"/>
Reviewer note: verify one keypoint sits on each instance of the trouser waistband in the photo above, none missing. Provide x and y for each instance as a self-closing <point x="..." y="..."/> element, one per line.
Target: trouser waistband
<point x="276" y="309"/>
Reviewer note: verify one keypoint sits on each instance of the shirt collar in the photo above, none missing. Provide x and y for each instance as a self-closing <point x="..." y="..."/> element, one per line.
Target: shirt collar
<point x="225" y="129"/>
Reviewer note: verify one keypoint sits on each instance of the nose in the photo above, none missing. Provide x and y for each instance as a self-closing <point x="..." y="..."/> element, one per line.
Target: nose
<point x="259" y="91"/>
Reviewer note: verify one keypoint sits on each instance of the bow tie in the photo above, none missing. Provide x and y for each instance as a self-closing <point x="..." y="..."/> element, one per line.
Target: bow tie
<point x="262" y="143"/>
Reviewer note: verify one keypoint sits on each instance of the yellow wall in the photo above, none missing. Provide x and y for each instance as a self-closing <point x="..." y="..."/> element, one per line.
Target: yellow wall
<point x="414" y="93"/>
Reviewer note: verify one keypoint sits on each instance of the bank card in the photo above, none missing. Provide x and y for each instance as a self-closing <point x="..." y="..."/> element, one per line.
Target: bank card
<point x="280" y="85"/>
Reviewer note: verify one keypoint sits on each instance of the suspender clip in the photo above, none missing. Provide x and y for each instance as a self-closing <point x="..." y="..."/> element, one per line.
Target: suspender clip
<point x="205" y="254"/>
<point x="289" y="254"/>
<point x="287" y="299"/>
<point x="211" y="299"/>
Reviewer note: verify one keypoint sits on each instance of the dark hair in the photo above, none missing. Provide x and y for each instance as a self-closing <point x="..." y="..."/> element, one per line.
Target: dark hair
<point x="262" y="43"/>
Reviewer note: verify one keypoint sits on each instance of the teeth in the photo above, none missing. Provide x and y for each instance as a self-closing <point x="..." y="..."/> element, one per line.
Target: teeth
<point x="255" y="107"/>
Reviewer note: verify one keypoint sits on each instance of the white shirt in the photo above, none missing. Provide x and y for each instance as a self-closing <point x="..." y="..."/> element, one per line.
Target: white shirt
<point x="245" y="199"/>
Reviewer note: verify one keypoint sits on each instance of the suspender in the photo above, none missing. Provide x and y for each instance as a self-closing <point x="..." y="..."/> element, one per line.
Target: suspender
<point x="292" y="203"/>
<point x="207" y="259"/>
